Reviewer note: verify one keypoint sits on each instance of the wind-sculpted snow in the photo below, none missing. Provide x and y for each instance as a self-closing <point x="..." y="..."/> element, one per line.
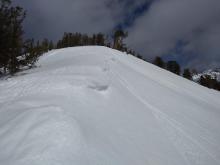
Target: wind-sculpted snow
<point x="39" y="136"/>
<point x="98" y="106"/>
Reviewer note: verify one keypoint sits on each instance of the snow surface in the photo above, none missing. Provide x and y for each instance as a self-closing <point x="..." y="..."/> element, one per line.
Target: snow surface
<point x="213" y="73"/>
<point x="98" y="106"/>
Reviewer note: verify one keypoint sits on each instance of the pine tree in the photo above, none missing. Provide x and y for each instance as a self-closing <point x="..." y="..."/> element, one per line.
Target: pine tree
<point x="45" y="45"/>
<point x="187" y="74"/>
<point x="100" y="39"/>
<point x="51" y="45"/>
<point x="159" y="62"/>
<point x="11" y="42"/>
<point x="210" y="82"/>
<point x="139" y="56"/>
<point x="94" y="39"/>
<point x="174" y="67"/>
<point x="85" y="39"/>
<point x="119" y="35"/>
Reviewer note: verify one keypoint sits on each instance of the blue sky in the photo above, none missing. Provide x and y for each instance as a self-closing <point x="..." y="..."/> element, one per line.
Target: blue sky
<point x="131" y="16"/>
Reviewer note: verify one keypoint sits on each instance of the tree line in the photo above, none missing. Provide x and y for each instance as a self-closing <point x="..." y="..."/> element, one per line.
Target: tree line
<point x="79" y="39"/>
<point x="210" y="82"/>
<point x="173" y="66"/>
<point x="17" y="53"/>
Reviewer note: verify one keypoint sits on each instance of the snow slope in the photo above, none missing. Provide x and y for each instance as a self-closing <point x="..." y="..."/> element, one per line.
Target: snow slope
<point x="98" y="106"/>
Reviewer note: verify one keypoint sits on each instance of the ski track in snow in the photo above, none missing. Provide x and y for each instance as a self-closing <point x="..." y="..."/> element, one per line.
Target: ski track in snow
<point x="174" y="131"/>
<point x="41" y="121"/>
<point x="185" y="144"/>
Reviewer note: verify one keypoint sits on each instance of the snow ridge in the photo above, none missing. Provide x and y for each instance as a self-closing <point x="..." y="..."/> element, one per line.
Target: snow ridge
<point x="94" y="105"/>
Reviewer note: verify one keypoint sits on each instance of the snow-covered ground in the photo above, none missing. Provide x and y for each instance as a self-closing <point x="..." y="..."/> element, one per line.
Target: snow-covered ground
<point x="213" y="73"/>
<point x="98" y="106"/>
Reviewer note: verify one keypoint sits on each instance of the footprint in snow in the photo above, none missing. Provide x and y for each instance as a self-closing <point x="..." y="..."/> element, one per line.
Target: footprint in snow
<point x="98" y="86"/>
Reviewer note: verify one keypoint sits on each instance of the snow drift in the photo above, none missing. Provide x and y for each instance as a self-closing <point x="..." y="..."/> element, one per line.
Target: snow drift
<point x="98" y="106"/>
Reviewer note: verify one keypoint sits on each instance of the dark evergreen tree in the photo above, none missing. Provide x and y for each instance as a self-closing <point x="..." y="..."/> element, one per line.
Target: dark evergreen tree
<point x="78" y="39"/>
<point x="51" y="45"/>
<point x="11" y="42"/>
<point x="100" y="39"/>
<point x="119" y="35"/>
<point x="210" y="82"/>
<point x="94" y="39"/>
<point x="59" y="44"/>
<point x="4" y="33"/>
<point x="187" y="74"/>
<point x="217" y="85"/>
<point x="45" y="45"/>
<point x="139" y="56"/>
<point x="159" y="62"/>
<point x="174" y="67"/>
<point x="85" y="40"/>
<point x="31" y="52"/>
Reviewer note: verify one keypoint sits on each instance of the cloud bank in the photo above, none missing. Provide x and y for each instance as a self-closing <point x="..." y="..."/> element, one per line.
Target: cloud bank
<point x="194" y="23"/>
<point x="50" y="18"/>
